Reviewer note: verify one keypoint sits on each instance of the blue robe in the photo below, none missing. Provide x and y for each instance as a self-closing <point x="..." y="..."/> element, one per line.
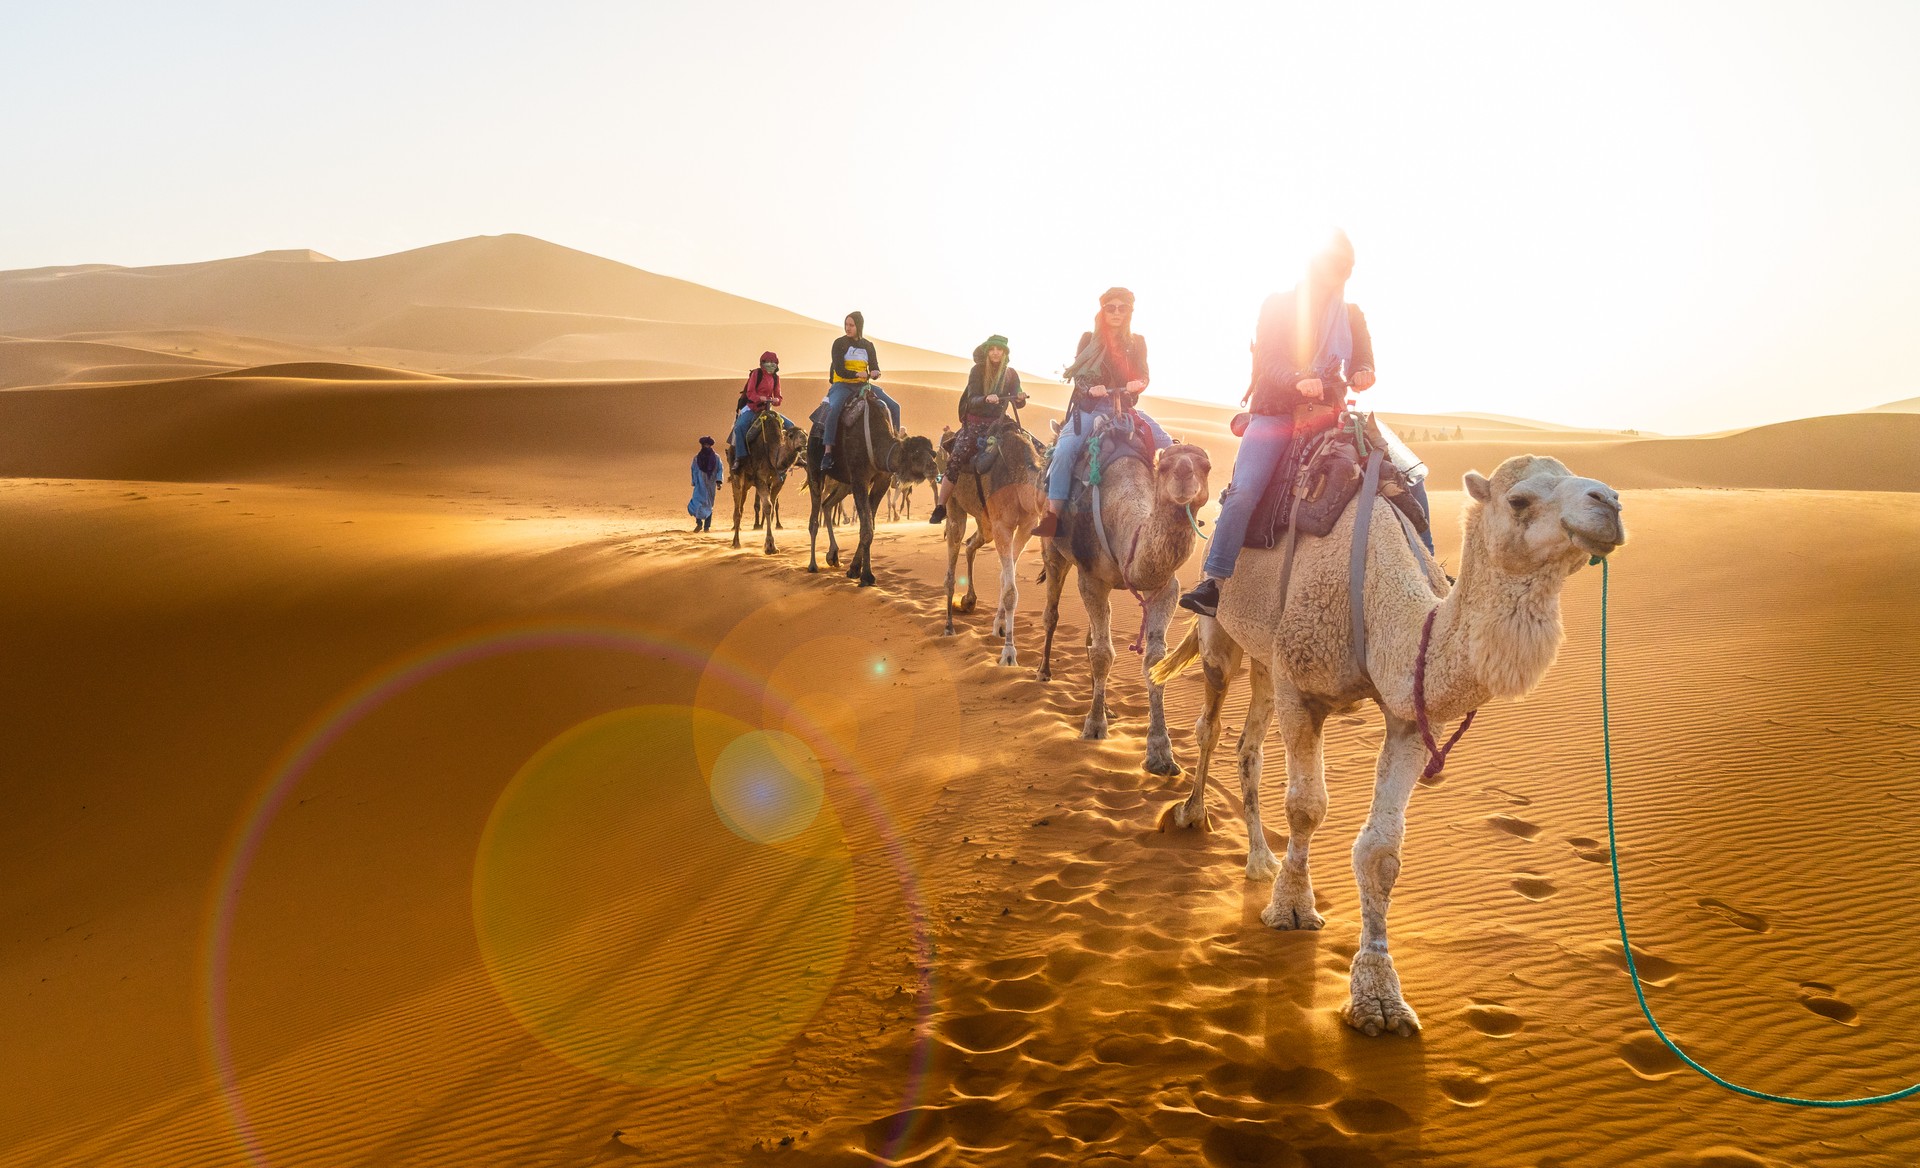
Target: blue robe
<point x="705" y="487"/>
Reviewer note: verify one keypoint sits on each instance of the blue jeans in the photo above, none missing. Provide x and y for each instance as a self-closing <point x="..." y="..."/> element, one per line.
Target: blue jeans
<point x="1067" y="447"/>
<point x="1419" y="494"/>
<point x="1261" y="451"/>
<point x="839" y="394"/>
<point x="740" y="426"/>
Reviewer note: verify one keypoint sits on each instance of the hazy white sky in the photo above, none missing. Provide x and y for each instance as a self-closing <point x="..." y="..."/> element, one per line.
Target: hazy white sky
<point x="1679" y="217"/>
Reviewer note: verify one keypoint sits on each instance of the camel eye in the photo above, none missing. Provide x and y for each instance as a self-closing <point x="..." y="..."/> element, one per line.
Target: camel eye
<point x="1518" y="503"/>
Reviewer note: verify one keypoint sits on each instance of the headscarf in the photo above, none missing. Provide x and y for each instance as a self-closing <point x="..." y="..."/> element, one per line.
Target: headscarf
<point x="995" y="341"/>
<point x="1107" y="355"/>
<point x="707" y="460"/>
<point x="859" y="325"/>
<point x="759" y="379"/>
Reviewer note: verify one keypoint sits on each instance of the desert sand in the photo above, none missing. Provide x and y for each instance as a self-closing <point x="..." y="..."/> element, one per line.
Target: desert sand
<point x="376" y="731"/>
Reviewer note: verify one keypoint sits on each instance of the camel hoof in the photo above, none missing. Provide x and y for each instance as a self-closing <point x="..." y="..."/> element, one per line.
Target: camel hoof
<point x="964" y="604"/>
<point x="866" y="580"/>
<point x="1095" y="729"/>
<point x="1262" y="866"/>
<point x="1160" y="760"/>
<point x="1009" y="656"/>
<point x="1043" y="675"/>
<point x="1377" y="1006"/>
<point x="1184" y="815"/>
<point x="813" y="567"/>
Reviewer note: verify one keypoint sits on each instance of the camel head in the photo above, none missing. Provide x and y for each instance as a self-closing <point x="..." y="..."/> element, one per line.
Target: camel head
<point x="1534" y="513"/>
<point x="913" y="460"/>
<point x="1180" y="475"/>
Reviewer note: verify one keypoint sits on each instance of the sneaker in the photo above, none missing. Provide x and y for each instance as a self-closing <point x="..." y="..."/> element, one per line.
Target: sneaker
<point x="939" y="514"/>
<point x="1049" y="527"/>
<point x="1204" y="599"/>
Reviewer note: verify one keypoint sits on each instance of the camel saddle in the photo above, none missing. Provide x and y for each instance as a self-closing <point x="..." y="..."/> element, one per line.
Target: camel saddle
<point x="852" y="415"/>
<point x="1111" y="441"/>
<point x="1325" y="467"/>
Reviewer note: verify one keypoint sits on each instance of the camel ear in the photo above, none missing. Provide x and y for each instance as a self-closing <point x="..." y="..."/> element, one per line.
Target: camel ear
<point x="1478" y="486"/>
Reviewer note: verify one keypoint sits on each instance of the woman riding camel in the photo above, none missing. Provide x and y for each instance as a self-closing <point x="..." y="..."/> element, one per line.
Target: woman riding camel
<point x="761" y="392"/>
<point x="1109" y="372"/>
<point x="707" y="477"/>
<point x="1303" y="340"/>
<point x="855" y="362"/>
<point x="992" y="386"/>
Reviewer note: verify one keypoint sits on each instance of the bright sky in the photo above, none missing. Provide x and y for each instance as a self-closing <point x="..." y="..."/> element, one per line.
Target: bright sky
<point x="1677" y="217"/>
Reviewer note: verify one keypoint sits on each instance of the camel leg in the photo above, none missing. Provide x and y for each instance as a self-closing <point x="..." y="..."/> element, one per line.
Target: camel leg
<point x="955" y="528"/>
<point x="979" y="537"/>
<point x="1252" y="758"/>
<point x="1010" y="543"/>
<point x="1160" y="606"/>
<point x="773" y="509"/>
<point x="1377" y="1005"/>
<point x="833" y="541"/>
<point x="814" y="509"/>
<point x="1054" y="573"/>
<point x="1094" y="596"/>
<point x="1301" y="728"/>
<point x="869" y="517"/>
<point x="739" y="504"/>
<point x="1219" y="661"/>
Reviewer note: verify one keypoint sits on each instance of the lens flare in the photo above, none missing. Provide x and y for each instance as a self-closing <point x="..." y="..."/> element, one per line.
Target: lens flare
<point x="638" y="923"/>
<point x="767" y="786"/>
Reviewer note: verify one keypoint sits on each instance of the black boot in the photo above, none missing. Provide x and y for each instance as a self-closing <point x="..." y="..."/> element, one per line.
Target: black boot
<point x="939" y="514"/>
<point x="826" y="461"/>
<point x="1204" y="598"/>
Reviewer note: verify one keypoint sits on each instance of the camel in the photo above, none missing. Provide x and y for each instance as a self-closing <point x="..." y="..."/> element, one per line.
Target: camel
<point x="772" y="449"/>
<point x="1493" y="635"/>
<point x="1147" y="514"/>
<point x="869" y="457"/>
<point x="899" y="501"/>
<point x="1012" y="502"/>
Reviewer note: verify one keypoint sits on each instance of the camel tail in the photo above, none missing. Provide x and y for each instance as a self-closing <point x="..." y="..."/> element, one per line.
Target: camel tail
<point x="1179" y="657"/>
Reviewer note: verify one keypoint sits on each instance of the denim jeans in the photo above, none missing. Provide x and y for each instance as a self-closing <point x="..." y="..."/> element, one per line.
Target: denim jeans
<point x="1067" y="447"/>
<point x="1261" y="449"/>
<point x="1419" y="494"/>
<point x="839" y="394"/>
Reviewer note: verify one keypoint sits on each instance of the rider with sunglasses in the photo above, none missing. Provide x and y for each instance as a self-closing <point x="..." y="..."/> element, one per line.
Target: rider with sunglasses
<point x="1109" y="373"/>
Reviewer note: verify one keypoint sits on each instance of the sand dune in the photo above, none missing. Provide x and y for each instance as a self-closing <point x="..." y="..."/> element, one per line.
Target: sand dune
<point x="1905" y="406"/>
<point x="395" y="780"/>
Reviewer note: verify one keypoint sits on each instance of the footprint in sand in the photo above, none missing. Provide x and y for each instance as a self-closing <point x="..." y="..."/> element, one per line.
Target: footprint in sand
<point x="1514" y="827"/>
<point x="1493" y="1019"/>
<point x="1751" y="922"/>
<point x="1306" y="1086"/>
<point x="1820" y="998"/>
<point x="1467" y="1088"/>
<point x="1590" y="849"/>
<point x="1648" y="1057"/>
<point x="986" y="1033"/>
<point x="1724" y="1157"/>
<point x="1515" y="799"/>
<point x="1653" y="971"/>
<point x="1369" y="1116"/>
<point x="1025" y="995"/>
<point x="1090" y="1123"/>
<point x="1533" y="887"/>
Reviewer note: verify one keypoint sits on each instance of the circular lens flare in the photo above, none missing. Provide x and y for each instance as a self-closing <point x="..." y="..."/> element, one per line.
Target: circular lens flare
<point x="634" y="918"/>
<point x="767" y="786"/>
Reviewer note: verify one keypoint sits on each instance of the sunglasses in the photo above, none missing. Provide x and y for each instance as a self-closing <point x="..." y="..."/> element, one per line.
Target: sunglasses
<point x="1116" y="307"/>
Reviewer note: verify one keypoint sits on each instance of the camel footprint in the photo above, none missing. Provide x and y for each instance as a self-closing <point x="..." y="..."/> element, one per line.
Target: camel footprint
<point x="1533" y="886"/>
<point x="1512" y="826"/>
<point x="1590" y="849"/>
<point x="1822" y="999"/>
<point x="1751" y="922"/>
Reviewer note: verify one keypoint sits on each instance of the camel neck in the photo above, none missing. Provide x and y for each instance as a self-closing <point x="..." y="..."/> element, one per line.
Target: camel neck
<point x="1497" y="631"/>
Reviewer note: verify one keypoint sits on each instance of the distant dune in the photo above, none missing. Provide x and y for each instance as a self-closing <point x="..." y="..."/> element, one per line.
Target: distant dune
<point x="506" y="303"/>
<point x="1909" y="405"/>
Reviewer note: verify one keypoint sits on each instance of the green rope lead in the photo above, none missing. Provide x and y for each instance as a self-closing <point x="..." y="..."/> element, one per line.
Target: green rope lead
<point x="1619" y="908"/>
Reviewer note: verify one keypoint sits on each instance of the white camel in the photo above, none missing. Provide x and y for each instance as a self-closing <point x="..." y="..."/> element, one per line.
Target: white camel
<point x="1493" y="635"/>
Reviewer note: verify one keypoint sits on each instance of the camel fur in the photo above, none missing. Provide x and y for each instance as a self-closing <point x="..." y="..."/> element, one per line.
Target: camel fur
<point x="1495" y="634"/>
<point x="772" y="449"/>
<point x="864" y="450"/>
<point x="1014" y="500"/>
<point x="1147" y="513"/>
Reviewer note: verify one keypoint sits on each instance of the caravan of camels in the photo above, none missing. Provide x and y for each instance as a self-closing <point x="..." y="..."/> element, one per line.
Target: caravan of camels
<point x="1335" y="600"/>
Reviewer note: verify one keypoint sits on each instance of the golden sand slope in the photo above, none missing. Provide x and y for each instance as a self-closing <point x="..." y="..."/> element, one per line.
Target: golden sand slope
<point x="490" y="304"/>
<point x="491" y="917"/>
